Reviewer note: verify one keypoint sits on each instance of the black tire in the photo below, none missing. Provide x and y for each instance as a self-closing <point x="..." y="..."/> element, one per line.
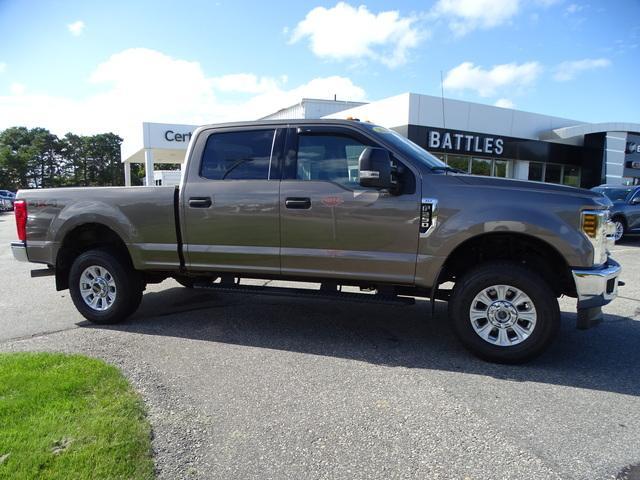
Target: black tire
<point x="128" y="286"/>
<point x="477" y="280"/>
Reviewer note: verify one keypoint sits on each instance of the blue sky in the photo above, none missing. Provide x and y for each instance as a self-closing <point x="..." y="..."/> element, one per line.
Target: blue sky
<point x="95" y="66"/>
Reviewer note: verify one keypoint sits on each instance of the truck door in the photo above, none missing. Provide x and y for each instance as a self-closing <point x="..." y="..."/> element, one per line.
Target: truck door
<point x="330" y="225"/>
<point x="229" y="202"/>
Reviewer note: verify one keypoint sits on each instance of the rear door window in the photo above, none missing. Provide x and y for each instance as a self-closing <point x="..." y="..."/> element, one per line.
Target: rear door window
<point x="240" y="155"/>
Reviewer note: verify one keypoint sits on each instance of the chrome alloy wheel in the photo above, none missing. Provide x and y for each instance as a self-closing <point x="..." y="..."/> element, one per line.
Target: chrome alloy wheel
<point x="98" y="288"/>
<point x="619" y="230"/>
<point x="503" y="315"/>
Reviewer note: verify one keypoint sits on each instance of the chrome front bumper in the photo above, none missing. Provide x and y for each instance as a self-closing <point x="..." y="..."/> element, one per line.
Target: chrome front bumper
<point x="597" y="286"/>
<point x="19" y="250"/>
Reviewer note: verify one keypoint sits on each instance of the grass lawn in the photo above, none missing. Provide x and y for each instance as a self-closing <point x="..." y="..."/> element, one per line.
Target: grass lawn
<point x="70" y="417"/>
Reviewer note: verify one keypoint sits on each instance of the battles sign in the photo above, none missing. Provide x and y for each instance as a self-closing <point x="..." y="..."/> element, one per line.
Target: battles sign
<point x="452" y="141"/>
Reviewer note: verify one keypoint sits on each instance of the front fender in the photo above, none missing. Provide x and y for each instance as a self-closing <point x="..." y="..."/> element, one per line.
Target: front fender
<point x="546" y="225"/>
<point x="456" y="227"/>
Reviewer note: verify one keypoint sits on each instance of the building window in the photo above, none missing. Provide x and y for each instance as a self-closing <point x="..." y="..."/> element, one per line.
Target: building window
<point x="571" y="176"/>
<point x="536" y="171"/>
<point x="501" y="168"/>
<point x="481" y="166"/>
<point x="461" y="162"/>
<point x="553" y="173"/>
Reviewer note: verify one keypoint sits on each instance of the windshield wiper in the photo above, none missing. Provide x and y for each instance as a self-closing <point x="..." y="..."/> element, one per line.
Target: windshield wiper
<point x="446" y="168"/>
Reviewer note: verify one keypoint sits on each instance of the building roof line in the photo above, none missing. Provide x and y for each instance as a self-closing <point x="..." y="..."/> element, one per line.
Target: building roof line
<point x="588" y="128"/>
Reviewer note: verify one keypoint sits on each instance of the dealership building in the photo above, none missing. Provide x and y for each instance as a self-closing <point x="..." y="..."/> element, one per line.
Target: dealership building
<point x="476" y="138"/>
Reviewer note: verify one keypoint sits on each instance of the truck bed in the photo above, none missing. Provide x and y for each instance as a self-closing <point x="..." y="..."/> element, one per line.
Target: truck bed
<point x="144" y="217"/>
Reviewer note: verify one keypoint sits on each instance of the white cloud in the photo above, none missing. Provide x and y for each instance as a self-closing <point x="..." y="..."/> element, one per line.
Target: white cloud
<point x="3" y="67"/>
<point x="570" y="69"/>
<point x="344" y="32"/>
<point x="547" y="3"/>
<point x="244" y="83"/>
<point x="17" y="88"/>
<point x="76" y="28"/>
<point x="504" y="103"/>
<point x="463" y="16"/>
<point x="573" y="8"/>
<point x="139" y="85"/>
<point x="485" y="83"/>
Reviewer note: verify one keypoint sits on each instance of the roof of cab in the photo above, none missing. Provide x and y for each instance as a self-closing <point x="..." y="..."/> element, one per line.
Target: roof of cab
<point x="302" y="121"/>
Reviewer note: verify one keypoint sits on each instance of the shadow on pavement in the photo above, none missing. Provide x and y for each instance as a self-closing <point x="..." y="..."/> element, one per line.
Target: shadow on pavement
<point x="629" y="241"/>
<point x="605" y="358"/>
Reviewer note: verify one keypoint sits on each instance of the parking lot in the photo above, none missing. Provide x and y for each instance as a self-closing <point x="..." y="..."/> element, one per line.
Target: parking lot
<point x="250" y="386"/>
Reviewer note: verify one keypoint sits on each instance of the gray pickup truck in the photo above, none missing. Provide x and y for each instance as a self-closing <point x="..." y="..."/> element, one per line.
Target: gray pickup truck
<point x="336" y="203"/>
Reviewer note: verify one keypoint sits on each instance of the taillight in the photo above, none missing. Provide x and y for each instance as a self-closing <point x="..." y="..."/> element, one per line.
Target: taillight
<point x="20" y="209"/>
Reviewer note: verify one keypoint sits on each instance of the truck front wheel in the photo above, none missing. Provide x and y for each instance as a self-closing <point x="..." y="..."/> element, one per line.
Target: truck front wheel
<point x="503" y="312"/>
<point x="103" y="287"/>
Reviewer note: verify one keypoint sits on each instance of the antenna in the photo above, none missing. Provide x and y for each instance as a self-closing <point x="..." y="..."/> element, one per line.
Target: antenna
<point x="444" y="125"/>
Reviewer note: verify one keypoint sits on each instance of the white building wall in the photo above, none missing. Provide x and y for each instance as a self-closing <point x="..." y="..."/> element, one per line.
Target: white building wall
<point x="311" y="108"/>
<point x="615" y="144"/>
<point x="389" y="112"/>
<point x="318" y="109"/>
<point x="427" y="110"/>
<point x="294" y="111"/>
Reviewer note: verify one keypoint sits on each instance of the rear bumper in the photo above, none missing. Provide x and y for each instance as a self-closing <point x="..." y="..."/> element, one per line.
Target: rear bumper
<point x="19" y="250"/>
<point x="597" y="286"/>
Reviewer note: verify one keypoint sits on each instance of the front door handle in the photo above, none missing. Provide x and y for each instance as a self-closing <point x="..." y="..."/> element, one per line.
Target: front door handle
<point x="200" y="202"/>
<point x="298" y="203"/>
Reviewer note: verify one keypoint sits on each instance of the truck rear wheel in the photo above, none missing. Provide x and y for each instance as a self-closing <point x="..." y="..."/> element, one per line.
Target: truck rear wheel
<point x="103" y="287"/>
<point x="504" y="313"/>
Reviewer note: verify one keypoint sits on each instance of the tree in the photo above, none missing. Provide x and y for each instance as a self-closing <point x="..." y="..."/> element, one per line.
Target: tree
<point x="15" y="151"/>
<point x="36" y="158"/>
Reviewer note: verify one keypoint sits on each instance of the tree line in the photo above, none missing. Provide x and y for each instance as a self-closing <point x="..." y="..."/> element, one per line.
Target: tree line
<point x="36" y="158"/>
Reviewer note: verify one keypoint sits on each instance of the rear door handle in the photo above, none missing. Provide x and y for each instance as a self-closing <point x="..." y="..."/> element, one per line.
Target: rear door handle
<point x="298" y="203"/>
<point x="200" y="202"/>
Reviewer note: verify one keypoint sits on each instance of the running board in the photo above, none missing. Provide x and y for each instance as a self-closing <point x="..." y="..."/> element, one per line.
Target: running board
<point x="307" y="293"/>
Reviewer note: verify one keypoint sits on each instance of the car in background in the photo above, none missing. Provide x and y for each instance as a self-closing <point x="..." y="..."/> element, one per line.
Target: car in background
<point x="5" y="205"/>
<point x="7" y="198"/>
<point x="625" y="213"/>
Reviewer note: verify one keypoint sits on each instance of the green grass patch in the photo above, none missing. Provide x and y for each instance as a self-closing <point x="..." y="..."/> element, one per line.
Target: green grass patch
<point x="70" y="417"/>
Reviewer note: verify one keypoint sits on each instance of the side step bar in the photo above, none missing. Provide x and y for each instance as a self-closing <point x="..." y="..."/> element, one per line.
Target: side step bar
<point x="307" y="293"/>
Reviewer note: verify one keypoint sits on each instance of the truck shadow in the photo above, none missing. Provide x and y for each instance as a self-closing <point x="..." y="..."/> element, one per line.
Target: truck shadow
<point x="605" y="358"/>
<point x="629" y="241"/>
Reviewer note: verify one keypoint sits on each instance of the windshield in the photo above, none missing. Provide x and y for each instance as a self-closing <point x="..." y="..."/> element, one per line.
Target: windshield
<point x="616" y="194"/>
<point x="406" y="146"/>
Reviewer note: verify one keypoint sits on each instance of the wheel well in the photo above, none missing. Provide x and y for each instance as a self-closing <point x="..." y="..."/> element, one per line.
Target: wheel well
<point x="528" y="251"/>
<point x="619" y="216"/>
<point x="82" y="238"/>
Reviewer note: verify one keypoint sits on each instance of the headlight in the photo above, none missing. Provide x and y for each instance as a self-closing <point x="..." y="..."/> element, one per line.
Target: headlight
<point x="600" y="232"/>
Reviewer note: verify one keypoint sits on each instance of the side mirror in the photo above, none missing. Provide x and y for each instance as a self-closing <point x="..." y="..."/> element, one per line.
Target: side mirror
<point x="635" y="200"/>
<point x="375" y="168"/>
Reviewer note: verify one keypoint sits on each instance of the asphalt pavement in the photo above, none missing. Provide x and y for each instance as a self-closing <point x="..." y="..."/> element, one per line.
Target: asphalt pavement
<point x="250" y="386"/>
